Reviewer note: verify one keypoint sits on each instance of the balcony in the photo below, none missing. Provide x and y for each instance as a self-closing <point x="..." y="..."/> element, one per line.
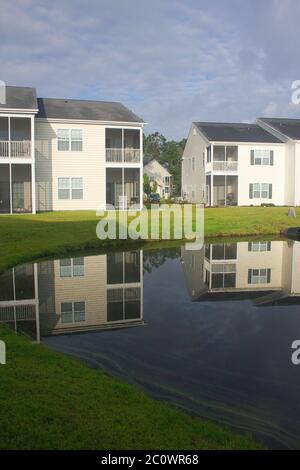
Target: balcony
<point x="15" y="149"/>
<point x="119" y="155"/>
<point x="15" y="137"/>
<point x="225" y="165"/>
<point x="123" y="145"/>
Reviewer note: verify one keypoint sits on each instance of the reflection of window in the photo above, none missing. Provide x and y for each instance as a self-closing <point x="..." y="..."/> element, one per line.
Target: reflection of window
<point x="222" y="280"/>
<point x="72" y="312"/>
<point x="123" y="304"/>
<point x="259" y="276"/>
<point x="72" y="267"/>
<point x="224" y="251"/>
<point x="123" y="267"/>
<point x="259" y="246"/>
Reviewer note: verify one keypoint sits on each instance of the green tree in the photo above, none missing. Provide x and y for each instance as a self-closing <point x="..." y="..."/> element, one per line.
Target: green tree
<point x="147" y="187"/>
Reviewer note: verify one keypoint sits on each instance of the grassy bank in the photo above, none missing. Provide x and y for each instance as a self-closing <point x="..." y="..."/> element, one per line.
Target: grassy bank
<point x="50" y="401"/>
<point x="27" y="237"/>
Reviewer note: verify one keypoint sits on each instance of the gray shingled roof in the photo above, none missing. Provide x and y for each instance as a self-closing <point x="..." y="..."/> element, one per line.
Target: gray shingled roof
<point x="235" y="132"/>
<point x="288" y="127"/>
<point x="85" y="110"/>
<point x="20" y="98"/>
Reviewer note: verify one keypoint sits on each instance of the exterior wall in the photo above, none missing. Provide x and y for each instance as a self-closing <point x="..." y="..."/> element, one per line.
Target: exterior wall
<point x="89" y="164"/>
<point x="193" y="181"/>
<point x="275" y="175"/>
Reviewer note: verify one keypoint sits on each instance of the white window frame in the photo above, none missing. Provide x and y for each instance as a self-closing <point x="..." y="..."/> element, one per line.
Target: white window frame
<point x="259" y="276"/>
<point x="73" y="311"/>
<point x="262" y="157"/>
<point x="72" y="137"/>
<point x="261" y="191"/>
<point x="72" y="270"/>
<point x="256" y="247"/>
<point x="71" y="188"/>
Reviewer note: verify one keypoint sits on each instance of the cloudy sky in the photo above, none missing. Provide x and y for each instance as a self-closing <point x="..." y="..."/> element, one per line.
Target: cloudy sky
<point x="170" y="61"/>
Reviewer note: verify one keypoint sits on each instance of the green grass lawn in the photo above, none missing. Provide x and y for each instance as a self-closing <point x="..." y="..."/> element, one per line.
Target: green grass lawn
<point x="51" y="401"/>
<point x="27" y="237"/>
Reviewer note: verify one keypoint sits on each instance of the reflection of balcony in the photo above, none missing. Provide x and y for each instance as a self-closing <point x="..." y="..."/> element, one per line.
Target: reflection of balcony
<point x="117" y="155"/>
<point x="225" y="166"/>
<point x="15" y="149"/>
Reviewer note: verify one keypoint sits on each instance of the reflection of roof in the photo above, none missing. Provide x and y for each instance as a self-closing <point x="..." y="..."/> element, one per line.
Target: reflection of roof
<point x="235" y="132"/>
<point x="221" y="296"/>
<point x="73" y="328"/>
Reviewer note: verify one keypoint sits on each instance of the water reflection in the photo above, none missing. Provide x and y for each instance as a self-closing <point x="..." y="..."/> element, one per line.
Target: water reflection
<point x="74" y="294"/>
<point x="220" y="324"/>
<point x="266" y="272"/>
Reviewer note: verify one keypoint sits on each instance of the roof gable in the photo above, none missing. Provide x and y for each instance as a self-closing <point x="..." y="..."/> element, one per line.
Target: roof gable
<point x="288" y="127"/>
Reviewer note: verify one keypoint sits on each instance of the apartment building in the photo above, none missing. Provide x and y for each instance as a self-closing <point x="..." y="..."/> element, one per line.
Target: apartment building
<point x="159" y="176"/>
<point x="74" y="294"/>
<point x="61" y="154"/>
<point x="230" y="164"/>
<point x="263" y="272"/>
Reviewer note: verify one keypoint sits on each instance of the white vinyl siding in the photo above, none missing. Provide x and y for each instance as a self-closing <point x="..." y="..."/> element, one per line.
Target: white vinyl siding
<point x="69" y="139"/>
<point x="70" y="188"/>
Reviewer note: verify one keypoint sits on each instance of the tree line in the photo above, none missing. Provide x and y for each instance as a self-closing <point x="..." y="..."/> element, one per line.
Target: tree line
<point x="166" y="152"/>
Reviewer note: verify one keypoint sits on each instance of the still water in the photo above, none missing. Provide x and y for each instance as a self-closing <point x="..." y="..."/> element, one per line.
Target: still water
<point x="209" y="330"/>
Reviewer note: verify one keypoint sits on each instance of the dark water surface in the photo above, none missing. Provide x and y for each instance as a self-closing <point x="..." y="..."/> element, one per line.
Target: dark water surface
<point x="209" y="330"/>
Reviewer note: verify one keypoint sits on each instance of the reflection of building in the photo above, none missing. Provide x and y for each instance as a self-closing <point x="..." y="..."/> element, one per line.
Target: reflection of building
<point x="75" y="294"/>
<point x="266" y="271"/>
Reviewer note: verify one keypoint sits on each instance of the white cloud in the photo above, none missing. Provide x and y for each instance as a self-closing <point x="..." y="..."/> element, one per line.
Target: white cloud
<point x="170" y="61"/>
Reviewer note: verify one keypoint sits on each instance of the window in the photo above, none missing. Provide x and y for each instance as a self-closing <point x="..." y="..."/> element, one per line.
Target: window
<point x="259" y="276"/>
<point x="260" y="191"/>
<point x="72" y="312"/>
<point x="262" y="157"/>
<point x="70" y="188"/>
<point x="72" y="267"/>
<point x="76" y="140"/>
<point x="259" y="246"/>
<point x="69" y="139"/>
<point x="77" y="188"/>
<point x="63" y="139"/>
<point x="63" y="188"/>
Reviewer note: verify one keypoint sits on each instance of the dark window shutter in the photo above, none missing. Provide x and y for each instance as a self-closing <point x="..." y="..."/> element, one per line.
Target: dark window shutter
<point x="252" y="157"/>
<point x="269" y="275"/>
<point x="251" y="191"/>
<point x="249" y="246"/>
<point x="269" y="246"/>
<point x="272" y="157"/>
<point x="270" y="191"/>
<point x="249" y="276"/>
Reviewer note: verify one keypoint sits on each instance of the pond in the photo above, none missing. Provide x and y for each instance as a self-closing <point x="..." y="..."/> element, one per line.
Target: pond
<point x="209" y="330"/>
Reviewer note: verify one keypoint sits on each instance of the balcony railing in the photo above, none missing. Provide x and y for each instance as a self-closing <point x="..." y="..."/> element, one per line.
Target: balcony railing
<point x="225" y="166"/>
<point x="15" y="149"/>
<point x="118" y="155"/>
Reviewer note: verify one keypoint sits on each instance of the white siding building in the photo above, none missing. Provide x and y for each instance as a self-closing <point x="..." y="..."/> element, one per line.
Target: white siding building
<point x="158" y="174"/>
<point x="80" y="154"/>
<point x="227" y="164"/>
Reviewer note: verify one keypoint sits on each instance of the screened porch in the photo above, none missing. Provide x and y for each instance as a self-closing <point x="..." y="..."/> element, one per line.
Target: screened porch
<point x="15" y="189"/>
